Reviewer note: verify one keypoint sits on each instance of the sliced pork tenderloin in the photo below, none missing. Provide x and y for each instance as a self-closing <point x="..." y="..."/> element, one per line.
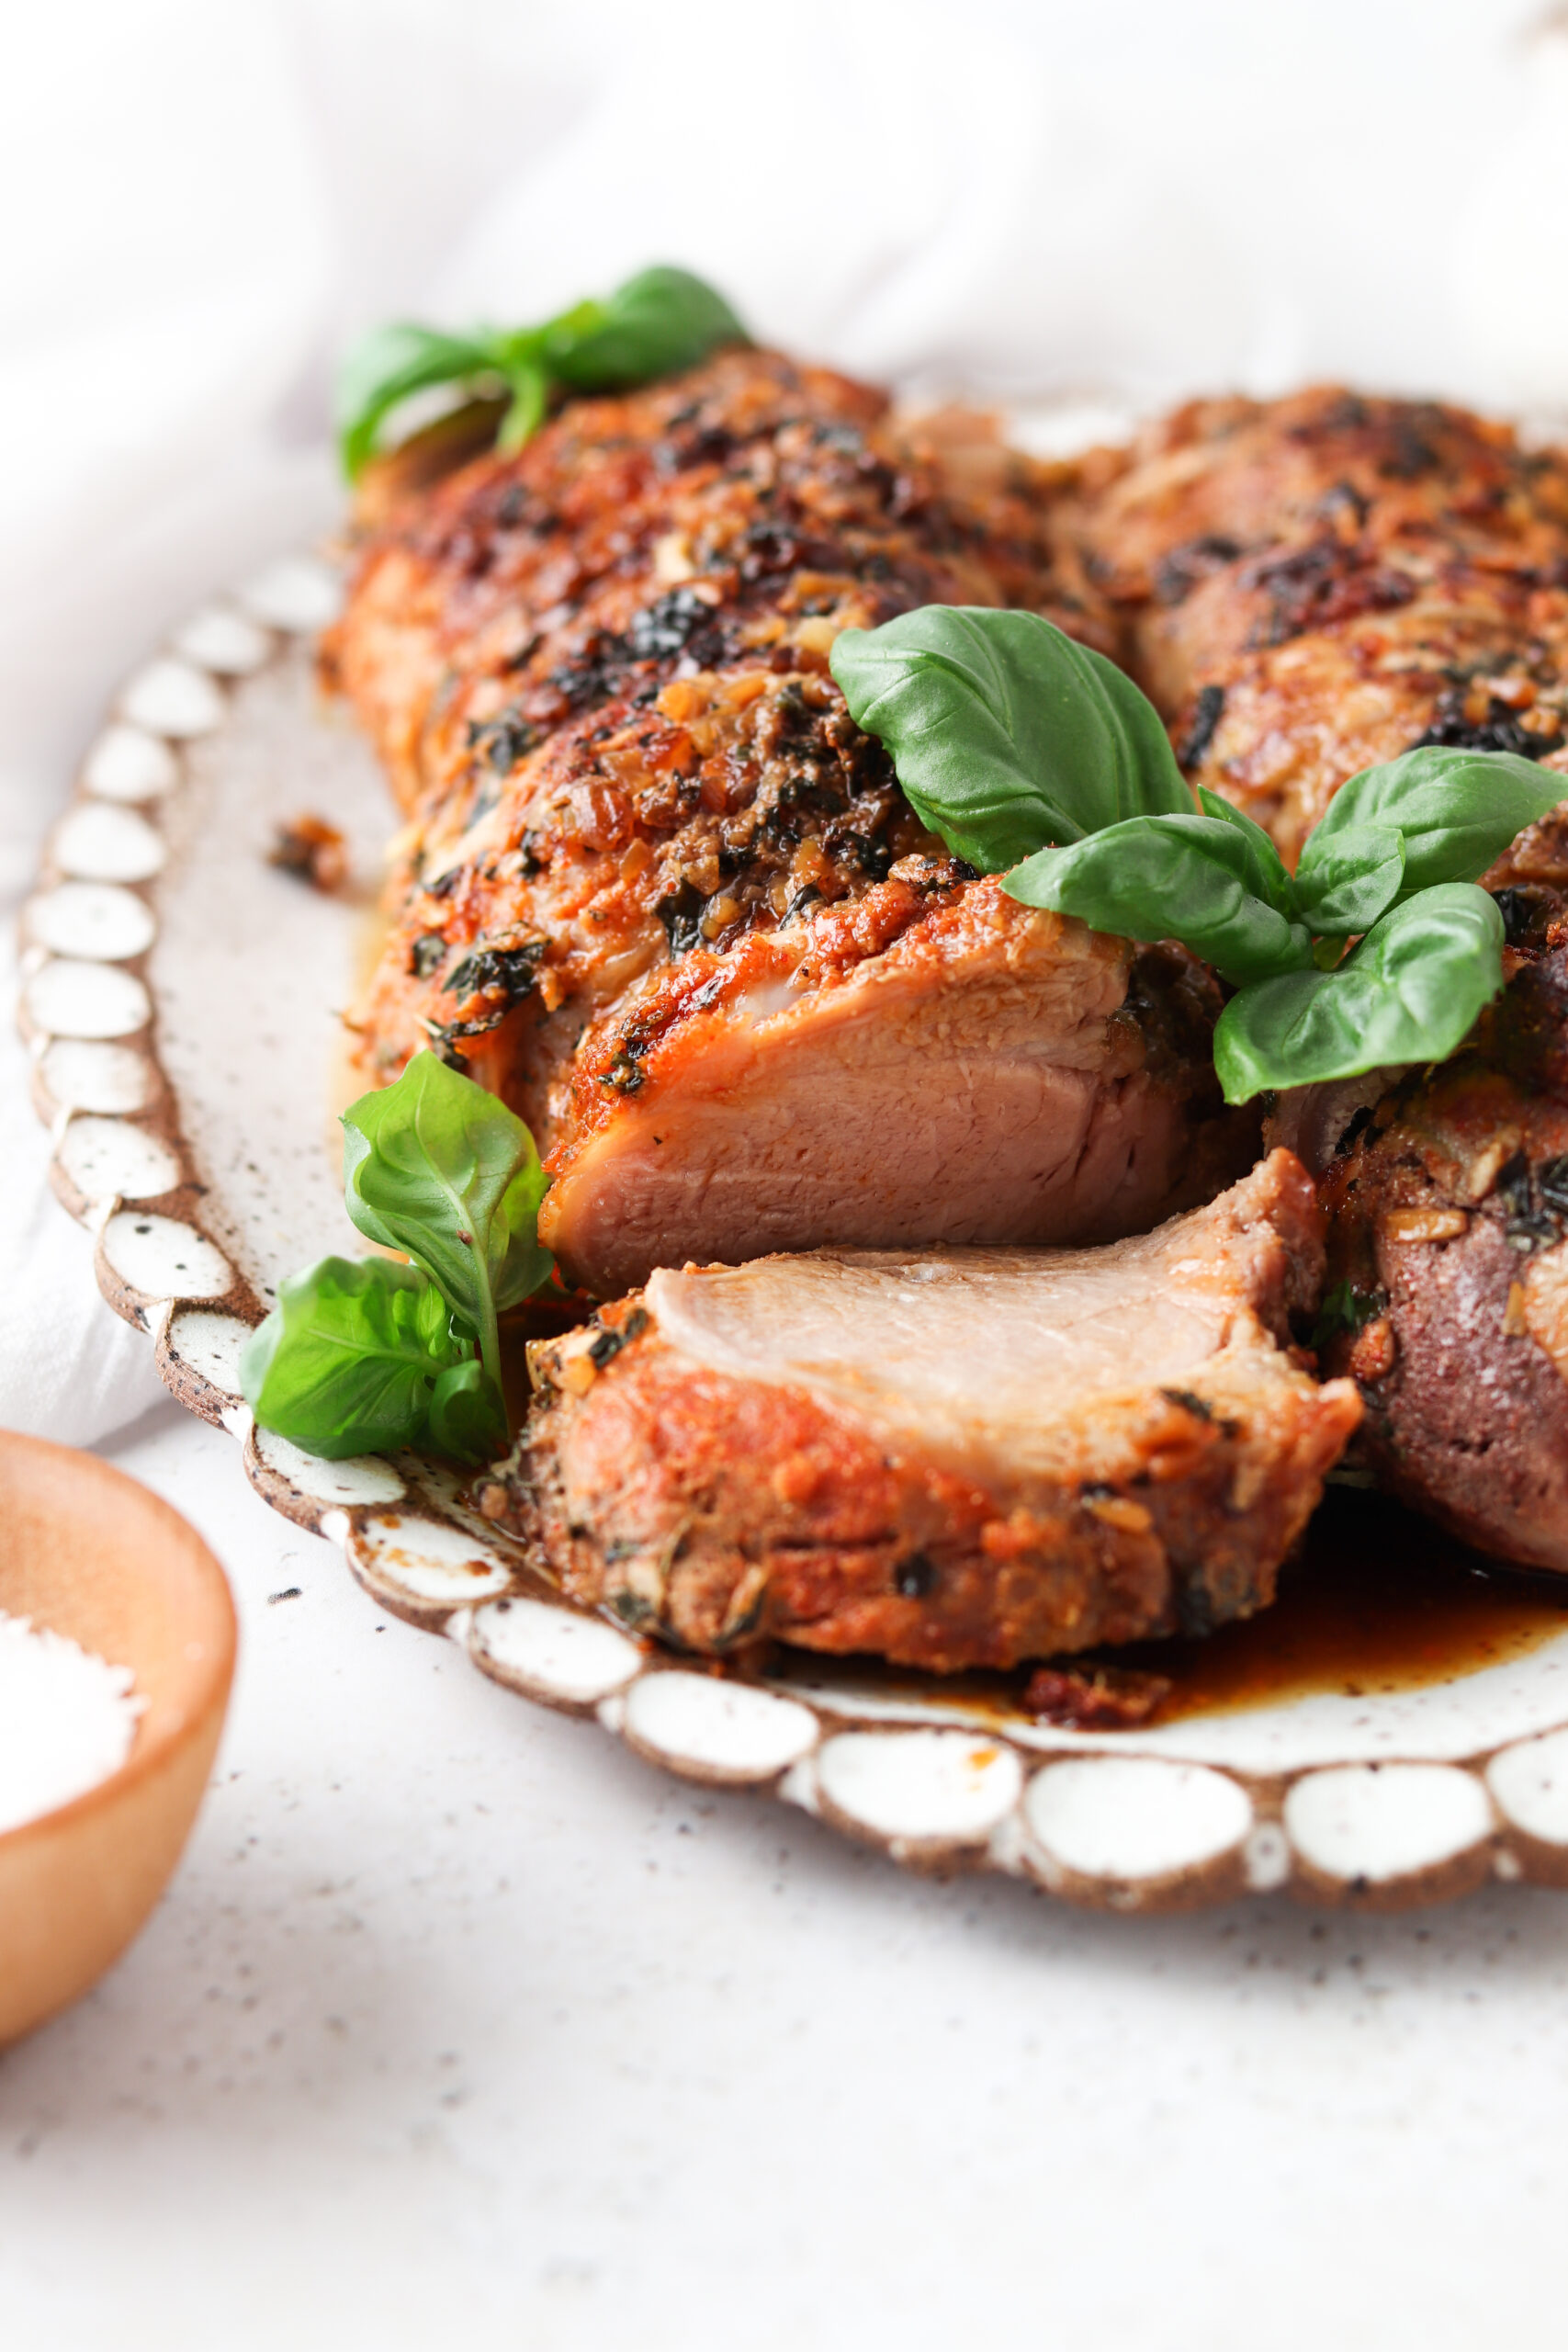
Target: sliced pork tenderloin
<point x="714" y="1084"/>
<point x="949" y="1458"/>
<point x="660" y="893"/>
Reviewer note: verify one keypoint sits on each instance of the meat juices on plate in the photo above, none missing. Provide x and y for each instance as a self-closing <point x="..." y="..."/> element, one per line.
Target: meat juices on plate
<point x="950" y="1458"/>
<point x="660" y="893"/>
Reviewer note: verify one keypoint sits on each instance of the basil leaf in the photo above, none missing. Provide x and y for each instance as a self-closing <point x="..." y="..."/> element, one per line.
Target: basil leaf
<point x="658" y="322"/>
<point x="348" y="1357"/>
<point x="435" y="1166"/>
<point x="467" y="1419"/>
<point x="1457" y="811"/>
<point x="1346" y="882"/>
<point x="1004" y="733"/>
<point x="1410" y="992"/>
<point x="386" y="368"/>
<point x="530" y="390"/>
<point x="1189" y="877"/>
<point x="1266" y="875"/>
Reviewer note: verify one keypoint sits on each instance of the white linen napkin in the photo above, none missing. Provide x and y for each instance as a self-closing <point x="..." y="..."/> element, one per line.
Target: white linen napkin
<point x="1021" y="197"/>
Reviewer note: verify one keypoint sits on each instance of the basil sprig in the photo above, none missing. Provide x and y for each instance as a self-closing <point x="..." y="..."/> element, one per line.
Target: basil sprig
<point x="1392" y="865"/>
<point x="440" y="1168"/>
<point x="1218" y="873"/>
<point x="658" y="322"/>
<point x="1409" y="992"/>
<point x="360" y="1356"/>
<point x="1013" y="745"/>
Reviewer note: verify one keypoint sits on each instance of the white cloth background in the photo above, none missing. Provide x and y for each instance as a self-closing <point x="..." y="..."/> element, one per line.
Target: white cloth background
<point x="1013" y="198"/>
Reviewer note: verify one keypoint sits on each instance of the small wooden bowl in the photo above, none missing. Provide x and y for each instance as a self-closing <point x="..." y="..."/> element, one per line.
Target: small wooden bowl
<point x="87" y="1551"/>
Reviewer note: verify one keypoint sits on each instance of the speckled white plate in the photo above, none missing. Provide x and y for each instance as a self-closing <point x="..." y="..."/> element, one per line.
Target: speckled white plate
<point x="180" y="998"/>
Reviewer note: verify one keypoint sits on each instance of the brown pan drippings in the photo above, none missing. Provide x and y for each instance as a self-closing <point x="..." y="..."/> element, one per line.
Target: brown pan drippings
<point x="1379" y="1600"/>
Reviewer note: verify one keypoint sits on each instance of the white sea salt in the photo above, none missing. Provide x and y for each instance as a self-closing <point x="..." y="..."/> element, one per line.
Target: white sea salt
<point x="67" y="1720"/>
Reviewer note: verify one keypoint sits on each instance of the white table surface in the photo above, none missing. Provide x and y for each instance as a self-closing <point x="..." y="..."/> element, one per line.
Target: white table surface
<point x="460" y="2026"/>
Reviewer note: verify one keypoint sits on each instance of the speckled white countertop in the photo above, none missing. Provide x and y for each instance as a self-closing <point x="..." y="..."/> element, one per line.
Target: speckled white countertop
<point x="461" y="2025"/>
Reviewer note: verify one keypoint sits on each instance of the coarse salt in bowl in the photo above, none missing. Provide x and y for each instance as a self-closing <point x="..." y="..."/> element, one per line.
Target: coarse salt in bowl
<point x="67" y="1720"/>
<point x="117" y="1651"/>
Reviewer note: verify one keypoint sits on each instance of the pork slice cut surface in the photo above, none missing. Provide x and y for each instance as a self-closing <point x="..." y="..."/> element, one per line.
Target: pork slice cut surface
<point x="972" y="1353"/>
<point x="982" y="1079"/>
<point x="1447" y="1246"/>
<point x="950" y="1457"/>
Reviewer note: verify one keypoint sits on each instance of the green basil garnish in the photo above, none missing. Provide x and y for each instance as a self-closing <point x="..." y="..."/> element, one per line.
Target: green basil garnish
<point x="1233" y="891"/>
<point x="438" y="1168"/>
<point x="1456" y="812"/>
<point x="658" y="322"/>
<point x="357" y="1357"/>
<point x="1351" y="881"/>
<point x="1023" y="749"/>
<point x="1409" y="992"/>
<point x="350" y="1356"/>
<point x="1005" y="732"/>
<point x="468" y="1417"/>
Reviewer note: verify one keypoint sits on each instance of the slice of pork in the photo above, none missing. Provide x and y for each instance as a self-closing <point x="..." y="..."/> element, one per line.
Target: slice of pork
<point x="952" y="1458"/>
<point x="992" y="1074"/>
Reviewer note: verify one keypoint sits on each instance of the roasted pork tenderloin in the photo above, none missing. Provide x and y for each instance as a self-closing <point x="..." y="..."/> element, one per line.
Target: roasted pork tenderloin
<point x="950" y="1458"/>
<point x="749" y="507"/>
<point x="1447" y="1196"/>
<point x="658" y="890"/>
<point x="1308" y="586"/>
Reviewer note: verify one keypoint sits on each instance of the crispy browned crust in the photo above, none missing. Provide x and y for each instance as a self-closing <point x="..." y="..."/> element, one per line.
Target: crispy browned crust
<point x="598" y="675"/>
<point x="645" y="838"/>
<point x="1311" y="584"/>
<point x="715" y="1511"/>
<point x="673" y="529"/>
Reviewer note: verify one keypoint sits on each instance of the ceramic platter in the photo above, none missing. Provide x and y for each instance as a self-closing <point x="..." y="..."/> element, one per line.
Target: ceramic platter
<point x="180" y="999"/>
